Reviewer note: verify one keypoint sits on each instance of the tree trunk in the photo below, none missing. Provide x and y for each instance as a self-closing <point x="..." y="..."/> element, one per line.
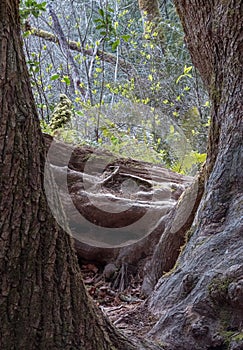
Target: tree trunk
<point x="151" y="16"/>
<point x="202" y="302"/>
<point x="175" y="235"/>
<point x="43" y="302"/>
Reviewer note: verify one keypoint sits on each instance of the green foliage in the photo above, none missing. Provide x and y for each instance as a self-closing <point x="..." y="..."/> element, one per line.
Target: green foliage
<point x="218" y="289"/>
<point x="34" y="66"/>
<point x="185" y="74"/>
<point x="31" y="7"/>
<point x="122" y="143"/>
<point x="45" y="127"/>
<point x="169" y="116"/>
<point x="55" y="76"/>
<point x="230" y="336"/>
<point x="106" y="27"/>
<point x="191" y="160"/>
<point x="68" y="135"/>
<point x="65" y="79"/>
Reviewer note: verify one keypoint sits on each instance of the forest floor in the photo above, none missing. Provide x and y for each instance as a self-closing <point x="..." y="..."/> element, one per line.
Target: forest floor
<point x="123" y="308"/>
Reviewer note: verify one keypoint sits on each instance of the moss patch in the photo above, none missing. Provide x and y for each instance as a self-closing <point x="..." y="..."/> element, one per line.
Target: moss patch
<point x="218" y="289"/>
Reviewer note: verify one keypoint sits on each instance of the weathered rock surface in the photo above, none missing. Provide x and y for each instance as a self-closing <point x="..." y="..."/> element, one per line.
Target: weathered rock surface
<point x="113" y="205"/>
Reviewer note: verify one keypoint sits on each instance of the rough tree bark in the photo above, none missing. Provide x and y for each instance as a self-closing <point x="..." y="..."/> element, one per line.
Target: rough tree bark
<point x="43" y="303"/>
<point x="202" y="302"/>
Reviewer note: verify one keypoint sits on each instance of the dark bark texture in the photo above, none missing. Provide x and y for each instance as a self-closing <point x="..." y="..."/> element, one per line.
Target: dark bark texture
<point x="43" y="303"/>
<point x="202" y="302"/>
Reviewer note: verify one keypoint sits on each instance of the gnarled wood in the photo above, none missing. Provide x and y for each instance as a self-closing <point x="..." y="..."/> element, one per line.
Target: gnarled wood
<point x="175" y="235"/>
<point x="200" y="308"/>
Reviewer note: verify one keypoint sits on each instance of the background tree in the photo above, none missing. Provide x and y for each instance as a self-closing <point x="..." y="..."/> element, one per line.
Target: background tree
<point x="152" y="20"/>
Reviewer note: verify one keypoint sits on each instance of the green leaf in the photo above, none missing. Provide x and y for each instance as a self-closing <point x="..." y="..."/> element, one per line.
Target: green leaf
<point x="150" y="77"/>
<point x="115" y="44"/>
<point x="179" y="78"/>
<point x="101" y="26"/>
<point x="55" y="76"/>
<point x="101" y="12"/>
<point x="110" y="9"/>
<point x="172" y="129"/>
<point x="27" y="33"/>
<point x="200" y="157"/>
<point x="66" y="79"/>
<point x="187" y="69"/>
<point x="126" y="37"/>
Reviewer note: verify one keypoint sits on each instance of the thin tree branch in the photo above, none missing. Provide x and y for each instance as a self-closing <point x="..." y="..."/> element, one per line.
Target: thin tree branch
<point x="66" y="50"/>
<point x="124" y="65"/>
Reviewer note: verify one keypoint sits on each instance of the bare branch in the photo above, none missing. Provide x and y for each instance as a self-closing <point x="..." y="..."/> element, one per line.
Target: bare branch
<point x="124" y="65"/>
